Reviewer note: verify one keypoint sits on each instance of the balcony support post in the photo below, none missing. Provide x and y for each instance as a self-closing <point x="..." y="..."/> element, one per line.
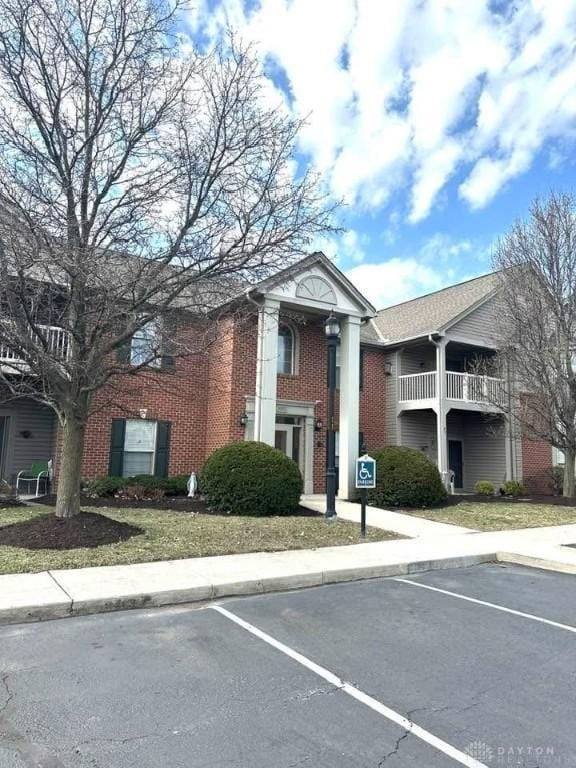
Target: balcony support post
<point x="441" y="408"/>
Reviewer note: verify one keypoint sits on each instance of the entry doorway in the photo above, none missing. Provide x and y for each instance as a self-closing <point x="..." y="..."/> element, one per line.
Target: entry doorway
<point x="288" y="438"/>
<point x="456" y="462"/>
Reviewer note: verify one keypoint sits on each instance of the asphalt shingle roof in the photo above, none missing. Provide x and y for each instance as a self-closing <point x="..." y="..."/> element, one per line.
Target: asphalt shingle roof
<point x="433" y="312"/>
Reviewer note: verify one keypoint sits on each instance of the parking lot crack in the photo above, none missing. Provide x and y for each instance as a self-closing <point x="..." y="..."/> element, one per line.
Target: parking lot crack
<point x="307" y="695"/>
<point x="9" y="693"/>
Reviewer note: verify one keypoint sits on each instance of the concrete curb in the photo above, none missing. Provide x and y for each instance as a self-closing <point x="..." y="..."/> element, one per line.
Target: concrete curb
<point x="48" y="598"/>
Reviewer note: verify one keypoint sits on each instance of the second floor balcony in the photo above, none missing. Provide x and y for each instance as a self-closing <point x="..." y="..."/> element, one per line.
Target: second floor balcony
<point x="57" y="344"/>
<point x="419" y="390"/>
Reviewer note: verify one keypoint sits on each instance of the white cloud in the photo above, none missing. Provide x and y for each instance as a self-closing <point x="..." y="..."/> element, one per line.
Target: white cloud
<point x="394" y="280"/>
<point x="434" y="265"/>
<point x="403" y="95"/>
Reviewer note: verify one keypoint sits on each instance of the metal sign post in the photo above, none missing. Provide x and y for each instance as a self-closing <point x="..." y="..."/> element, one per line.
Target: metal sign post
<point x="365" y="478"/>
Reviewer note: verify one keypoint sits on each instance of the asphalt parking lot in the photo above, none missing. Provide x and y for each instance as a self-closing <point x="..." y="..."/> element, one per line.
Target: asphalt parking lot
<point x="373" y="674"/>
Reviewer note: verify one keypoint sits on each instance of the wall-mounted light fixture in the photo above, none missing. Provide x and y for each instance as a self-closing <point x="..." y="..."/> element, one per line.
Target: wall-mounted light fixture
<point x="318" y="425"/>
<point x="388" y="368"/>
<point x="243" y="420"/>
<point x="143" y="413"/>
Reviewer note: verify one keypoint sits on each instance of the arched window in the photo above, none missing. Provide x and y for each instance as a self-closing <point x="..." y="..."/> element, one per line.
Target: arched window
<point x="286" y="350"/>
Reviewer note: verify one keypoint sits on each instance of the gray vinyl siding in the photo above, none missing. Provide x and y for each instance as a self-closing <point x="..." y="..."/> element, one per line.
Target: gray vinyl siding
<point x="419" y="432"/>
<point x="418" y="359"/>
<point x="479" y="326"/>
<point x="20" y="452"/>
<point x="391" y="399"/>
<point x="484" y="451"/>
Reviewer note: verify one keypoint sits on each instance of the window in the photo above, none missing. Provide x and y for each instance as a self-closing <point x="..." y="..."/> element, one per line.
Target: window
<point x="286" y="350"/>
<point x="139" y="447"/>
<point x="339" y="367"/>
<point x="144" y="345"/>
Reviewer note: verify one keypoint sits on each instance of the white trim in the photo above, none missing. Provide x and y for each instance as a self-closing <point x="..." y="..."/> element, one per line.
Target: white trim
<point x="351" y="690"/>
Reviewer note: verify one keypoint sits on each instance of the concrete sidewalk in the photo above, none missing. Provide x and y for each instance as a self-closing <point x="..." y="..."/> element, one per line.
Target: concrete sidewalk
<point x="57" y="594"/>
<point x="397" y="522"/>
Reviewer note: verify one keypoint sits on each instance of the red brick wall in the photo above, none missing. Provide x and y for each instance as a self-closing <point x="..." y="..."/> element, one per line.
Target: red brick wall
<point x="536" y="465"/>
<point x="205" y="396"/>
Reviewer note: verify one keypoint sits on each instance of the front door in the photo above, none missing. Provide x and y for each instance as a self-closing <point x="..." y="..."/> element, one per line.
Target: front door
<point x="455" y="462"/>
<point x="284" y="439"/>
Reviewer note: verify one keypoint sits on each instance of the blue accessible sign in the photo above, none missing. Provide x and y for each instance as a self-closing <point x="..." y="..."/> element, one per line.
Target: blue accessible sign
<point x="365" y="472"/>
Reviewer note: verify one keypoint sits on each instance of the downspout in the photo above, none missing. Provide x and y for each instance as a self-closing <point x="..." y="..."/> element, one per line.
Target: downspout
<point x="511" y="439"/>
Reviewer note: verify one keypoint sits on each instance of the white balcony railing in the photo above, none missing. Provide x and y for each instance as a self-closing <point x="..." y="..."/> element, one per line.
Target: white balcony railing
<point x="467" y="387"/>
<point x="418" y="386"/>
<point x="474" y="389"/>
<point x="58" y="342"/>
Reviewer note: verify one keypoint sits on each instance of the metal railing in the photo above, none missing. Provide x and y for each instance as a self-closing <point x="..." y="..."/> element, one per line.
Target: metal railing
<point x="467" y="387"/>
<point x="57" y="341"/>
<point x="418" y="386"/>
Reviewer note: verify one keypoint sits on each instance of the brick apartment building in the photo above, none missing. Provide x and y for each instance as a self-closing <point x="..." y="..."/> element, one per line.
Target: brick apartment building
<point x="403" y="378"/>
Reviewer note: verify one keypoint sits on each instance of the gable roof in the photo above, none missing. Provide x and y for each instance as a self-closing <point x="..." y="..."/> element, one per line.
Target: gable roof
<point x="317" y="257"/>
<point x="435" y="311"/>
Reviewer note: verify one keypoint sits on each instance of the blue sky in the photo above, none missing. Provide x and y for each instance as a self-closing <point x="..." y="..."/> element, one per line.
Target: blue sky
<point x="437" y="121"/>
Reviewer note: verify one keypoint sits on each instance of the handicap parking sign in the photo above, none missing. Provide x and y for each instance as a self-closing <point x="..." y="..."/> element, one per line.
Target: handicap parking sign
<point x="365" y="472"/>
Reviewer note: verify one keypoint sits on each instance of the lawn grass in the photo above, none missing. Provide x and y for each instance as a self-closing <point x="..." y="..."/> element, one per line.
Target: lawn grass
<point x="499" y="516"/>
<point x="176" y="535"/>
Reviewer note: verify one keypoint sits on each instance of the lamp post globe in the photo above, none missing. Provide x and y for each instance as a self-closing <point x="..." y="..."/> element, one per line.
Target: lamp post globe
<point x="332" y="330"/>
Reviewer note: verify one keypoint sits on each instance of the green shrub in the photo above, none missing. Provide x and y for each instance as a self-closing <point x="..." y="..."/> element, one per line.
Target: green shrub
<point x="250" y="478"/>
<point x="512" y="488"/>
<point x="484" y="488"/>
<point x="405" y="478"/>
<point x="111" y="486"/>
<point x="103" y="486"/>
<point x="557" y="478"/>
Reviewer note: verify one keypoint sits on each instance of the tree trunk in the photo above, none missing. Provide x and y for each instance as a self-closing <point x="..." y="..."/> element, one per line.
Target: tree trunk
<point x="70" y="469"/>
<point x="568" y="485"/>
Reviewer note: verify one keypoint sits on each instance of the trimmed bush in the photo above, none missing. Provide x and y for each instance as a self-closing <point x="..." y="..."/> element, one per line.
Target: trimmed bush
<point x="250" y="478"/>
<point x="557" y="479"/>
<point x="405" y="478"/>
<point x="112" y="486"/>
<point x="484" y="488"/>
<point x="103" y="486"/>
<point x="512" y="488"/>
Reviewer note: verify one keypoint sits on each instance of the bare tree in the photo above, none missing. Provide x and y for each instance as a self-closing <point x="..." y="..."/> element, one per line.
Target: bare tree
<point x="537" y="259"/>
<point x="139" y="179"/>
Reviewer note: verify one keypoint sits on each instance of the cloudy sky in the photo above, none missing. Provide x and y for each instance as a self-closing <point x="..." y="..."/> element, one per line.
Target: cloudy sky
<point x="435" y="120"/>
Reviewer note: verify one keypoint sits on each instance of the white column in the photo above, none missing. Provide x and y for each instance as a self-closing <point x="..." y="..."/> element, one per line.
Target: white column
<point x="266" y="371"/>
<point x="309" y="422"/>
<point x="441" y="411"/>
<point x="349" y="404"/>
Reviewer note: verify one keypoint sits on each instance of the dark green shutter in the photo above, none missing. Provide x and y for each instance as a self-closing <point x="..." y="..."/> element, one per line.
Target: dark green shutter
<point x="162" y="449"/>
<point x="116" y="463"/>
<point x="123" y="353"/>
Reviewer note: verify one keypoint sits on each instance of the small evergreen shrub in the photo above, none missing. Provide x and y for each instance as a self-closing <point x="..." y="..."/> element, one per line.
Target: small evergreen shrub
<point x="557" y="478"/>
<point x="512" y="488"/>
<point x="405" y="478"/>
<point x="484" y="488"/>
<point x="102" y="487"/>
<point x="250" y="478"/>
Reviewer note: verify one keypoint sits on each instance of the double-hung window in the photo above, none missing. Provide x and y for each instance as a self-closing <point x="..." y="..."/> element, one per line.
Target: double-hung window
<point x="139" y="447"/>
<point x="144" y="345"/>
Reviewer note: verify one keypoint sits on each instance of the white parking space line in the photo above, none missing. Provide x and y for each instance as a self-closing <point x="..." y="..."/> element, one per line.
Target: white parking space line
<point x="531" y="616"/>
<point x="355" y="693"/>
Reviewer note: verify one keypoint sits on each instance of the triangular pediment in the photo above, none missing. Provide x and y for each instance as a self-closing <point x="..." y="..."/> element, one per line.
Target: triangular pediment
<point x="315" y="283"/>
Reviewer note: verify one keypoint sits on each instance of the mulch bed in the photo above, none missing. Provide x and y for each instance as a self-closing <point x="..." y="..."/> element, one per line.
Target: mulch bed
<point x="88" y="529"/>
<point x="10" y="503"/>
<point x="168" y="504"/>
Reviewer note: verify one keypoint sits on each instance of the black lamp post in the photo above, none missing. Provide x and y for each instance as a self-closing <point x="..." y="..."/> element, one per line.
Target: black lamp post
<point x="332" y="329"/>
